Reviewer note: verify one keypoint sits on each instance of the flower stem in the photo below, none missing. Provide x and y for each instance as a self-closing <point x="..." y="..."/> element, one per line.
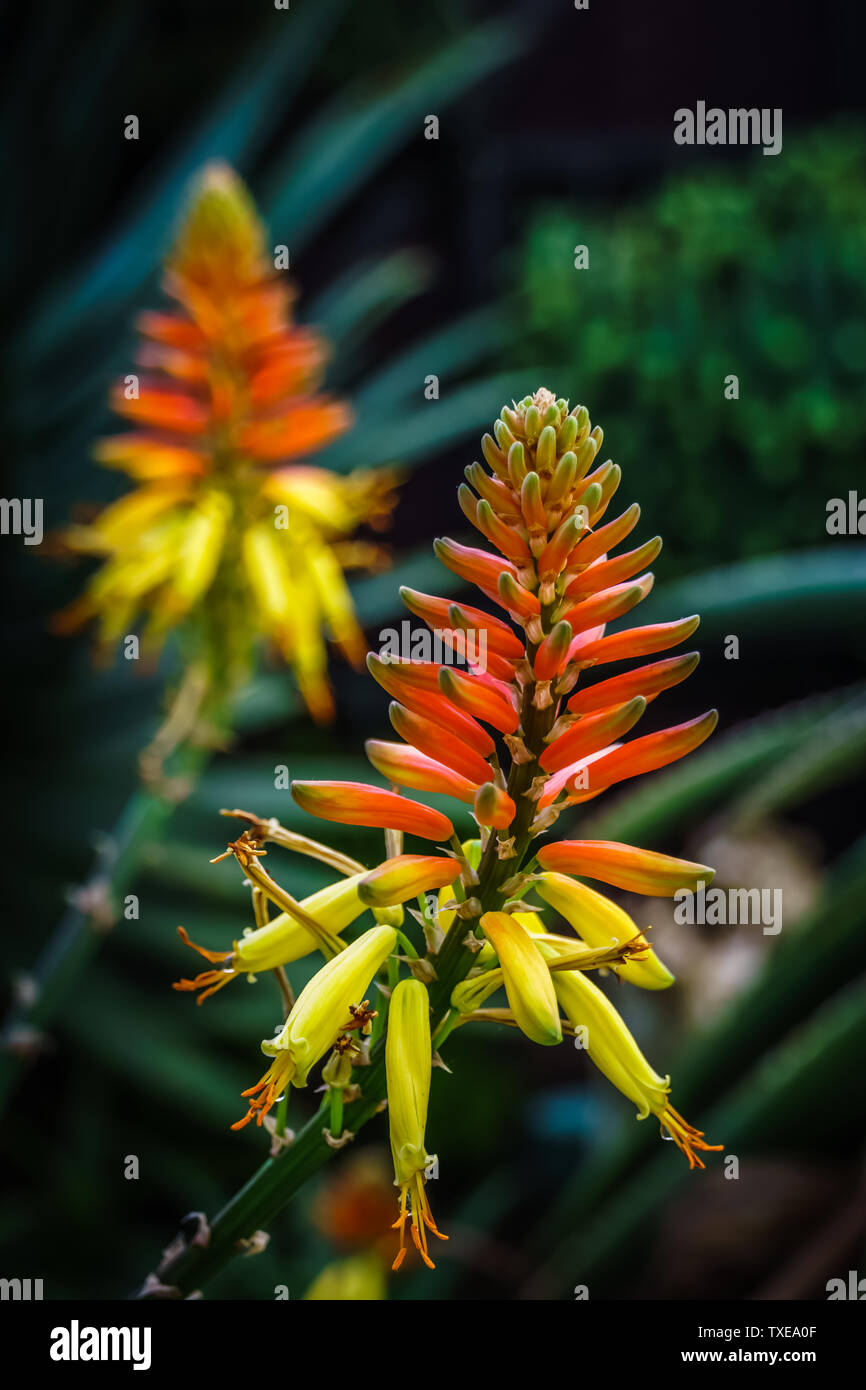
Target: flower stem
<point x="269" y="1189"/>
<point x="336" y="1111"/>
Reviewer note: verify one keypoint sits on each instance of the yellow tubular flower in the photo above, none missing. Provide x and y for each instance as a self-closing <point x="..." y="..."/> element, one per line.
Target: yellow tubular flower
<point x="601" y="923"/>
<point x="527" y="979"/>
<point x="614" y="1051"/>
<point x="532" y="923"/>
<point x="282" y="941"/>
<point x="224" y="411"/>
<point x="322" y="1011"/>
<point x="408" y="1063"/>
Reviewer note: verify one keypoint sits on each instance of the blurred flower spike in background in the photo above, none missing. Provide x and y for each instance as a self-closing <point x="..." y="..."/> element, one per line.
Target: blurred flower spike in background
<point x="228" y="533"/>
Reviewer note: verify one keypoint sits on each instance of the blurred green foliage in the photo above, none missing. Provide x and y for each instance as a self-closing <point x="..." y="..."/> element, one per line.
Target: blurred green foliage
<point x="757" y="271"/>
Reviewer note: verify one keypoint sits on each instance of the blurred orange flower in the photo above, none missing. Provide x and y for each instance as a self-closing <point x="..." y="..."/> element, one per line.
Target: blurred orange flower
<point x="227" y="532"/>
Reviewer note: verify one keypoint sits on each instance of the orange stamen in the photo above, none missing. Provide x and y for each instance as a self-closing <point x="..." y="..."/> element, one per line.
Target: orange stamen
<point x="422" y="1221"/>
<point x="213" y="979"/>
<point x="268" y="1090"/>
<point x="686" y="1137"/>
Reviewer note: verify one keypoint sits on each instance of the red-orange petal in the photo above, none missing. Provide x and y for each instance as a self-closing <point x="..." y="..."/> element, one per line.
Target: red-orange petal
<point x="422" y="733"/>
<point x="474" y="696"/>
<point x="357" y="803"/>
<point x="635" y="870"/>
<point x="409" y="767"/>
<point x="651" y="752"/>
<point x="591" y="733"/>
<point x="648" y="681"/>
<point x="494" y="807"/>
<point x="604" y="573"/>
<point x="638" y="641"/>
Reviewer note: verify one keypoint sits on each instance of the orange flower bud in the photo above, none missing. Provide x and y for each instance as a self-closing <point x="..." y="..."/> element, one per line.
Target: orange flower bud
<point x="591" y="733"/>
<point x="493" y="806"/>
<point x="552" y="655"/>
<point x="476" y="697"/>
<point x="503" y="536"/>
<point x="556" y="553"/>
<point x="437" y="612"/>
<point x="427" y="736"/>
<point x="604" y="573"/>
<point x="356" y="803"/>
<point x="408" y="767"/>
<point x="396" y="880"/>
<point x="404" y="681"/>
<point x="609" y="604"/>
<point x="638" y="641"/>
<point x="648" y="681"/>
<point x="652" y="751"/>
<point x="636" y="870"/>
<point x="515" y="597"/>
<point x="605" y="538"/>
<point x="477" y="566"/>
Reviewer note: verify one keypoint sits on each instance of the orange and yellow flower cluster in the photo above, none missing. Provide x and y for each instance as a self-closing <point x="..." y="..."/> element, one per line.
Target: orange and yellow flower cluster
<point x="228" y="531"/>
<point x="519" y="734"/>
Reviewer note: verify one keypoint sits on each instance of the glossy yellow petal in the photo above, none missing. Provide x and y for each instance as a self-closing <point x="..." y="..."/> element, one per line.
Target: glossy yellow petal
<point x="600" y="923"/>
<point x="527" y="979"/>
<point x="321" y="1011"/>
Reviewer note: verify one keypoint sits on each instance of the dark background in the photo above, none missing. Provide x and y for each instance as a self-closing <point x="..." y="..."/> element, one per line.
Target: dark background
<point x="703" y="262"/>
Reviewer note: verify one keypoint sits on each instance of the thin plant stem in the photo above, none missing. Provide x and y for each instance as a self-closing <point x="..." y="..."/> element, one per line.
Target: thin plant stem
<point x="407" y="946"/>
<point x="336" y="1111"/>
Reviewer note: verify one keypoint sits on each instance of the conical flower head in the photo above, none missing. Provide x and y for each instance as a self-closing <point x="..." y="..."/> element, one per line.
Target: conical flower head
<point x="221" y="239"/>
<point x="517" y="727"/>
<point x="228" y="531"/>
